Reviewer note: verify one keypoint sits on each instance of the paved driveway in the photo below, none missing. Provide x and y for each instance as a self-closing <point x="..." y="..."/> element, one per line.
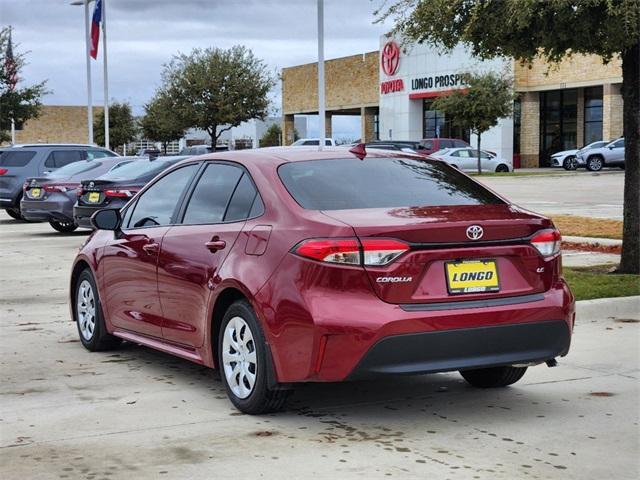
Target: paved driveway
<point x="137" y="413"/>
<point x="577" y="193"/>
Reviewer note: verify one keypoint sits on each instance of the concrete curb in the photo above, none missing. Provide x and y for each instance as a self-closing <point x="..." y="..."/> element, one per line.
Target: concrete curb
<point x="604" y="308"/>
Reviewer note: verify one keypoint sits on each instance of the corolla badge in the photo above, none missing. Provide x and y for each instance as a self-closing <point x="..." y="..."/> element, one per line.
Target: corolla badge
<point x="475" y="232"/>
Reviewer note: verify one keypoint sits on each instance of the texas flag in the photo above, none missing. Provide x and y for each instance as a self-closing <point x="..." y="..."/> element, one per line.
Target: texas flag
<point x="95" y="28"/>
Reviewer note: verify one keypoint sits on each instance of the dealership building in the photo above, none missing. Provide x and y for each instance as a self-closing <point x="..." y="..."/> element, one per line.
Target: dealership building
<point x="559" y="107"/>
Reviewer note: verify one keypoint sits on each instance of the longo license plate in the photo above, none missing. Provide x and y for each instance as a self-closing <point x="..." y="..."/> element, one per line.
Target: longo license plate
<point x="476" y="276"/>
<point x="94" y="197"/>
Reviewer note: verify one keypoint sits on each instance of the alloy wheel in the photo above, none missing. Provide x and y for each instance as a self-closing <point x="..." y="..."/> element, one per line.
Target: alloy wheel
<point x="239" y="357"/>
<point x="86" y="310"/>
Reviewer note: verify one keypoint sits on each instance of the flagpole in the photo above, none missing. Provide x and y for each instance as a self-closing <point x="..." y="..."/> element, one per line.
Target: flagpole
<point x="87" y="39"/>
<point x="106" y="78"/>
<point x="13" y="131"/>
<point x="321" y="113"/>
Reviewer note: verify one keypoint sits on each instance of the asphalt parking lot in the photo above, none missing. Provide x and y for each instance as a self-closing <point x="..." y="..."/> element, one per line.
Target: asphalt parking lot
<point x="137" y="413"/>
<point x="573" y="193"/>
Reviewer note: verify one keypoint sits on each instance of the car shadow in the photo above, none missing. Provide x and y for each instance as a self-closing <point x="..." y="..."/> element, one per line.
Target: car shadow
<point x="55" y="233"/>
<point x="384" y="400"/>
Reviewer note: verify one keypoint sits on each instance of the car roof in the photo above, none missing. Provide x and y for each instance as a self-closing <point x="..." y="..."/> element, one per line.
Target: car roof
<point x="42" y="145"/>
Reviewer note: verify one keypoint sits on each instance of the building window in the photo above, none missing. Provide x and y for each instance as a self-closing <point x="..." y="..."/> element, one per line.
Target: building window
<point x="558" y="123"/>
<point x="376" y="127"/>
<point x="436" y="125"/>
<point x="592" y="115"/>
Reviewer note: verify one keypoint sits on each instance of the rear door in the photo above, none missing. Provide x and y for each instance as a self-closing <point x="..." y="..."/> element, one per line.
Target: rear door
<point x="193" y="252"/>
<point x="616" y="154"/>
<point x="130" y="260"/>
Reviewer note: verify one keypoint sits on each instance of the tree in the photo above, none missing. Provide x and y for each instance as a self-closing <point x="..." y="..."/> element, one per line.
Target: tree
<point x="19" y="104"/>
<point x="122" y="126"/>
<point x="553" y="29"/>
<point x="215" y="89"/>
<point x="489" y="98"/>
<point x="272" y="137"/>
<point x="159" y="123"/>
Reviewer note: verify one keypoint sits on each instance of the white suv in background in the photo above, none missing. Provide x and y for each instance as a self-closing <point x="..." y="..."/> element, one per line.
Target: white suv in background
<point x="595" y="159"/>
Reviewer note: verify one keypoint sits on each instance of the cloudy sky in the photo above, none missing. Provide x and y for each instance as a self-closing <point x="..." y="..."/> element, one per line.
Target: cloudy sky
<point x="144" y="34"/>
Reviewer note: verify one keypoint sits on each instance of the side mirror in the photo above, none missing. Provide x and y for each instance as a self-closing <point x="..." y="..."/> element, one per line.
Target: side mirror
<point x="106" y="219"/>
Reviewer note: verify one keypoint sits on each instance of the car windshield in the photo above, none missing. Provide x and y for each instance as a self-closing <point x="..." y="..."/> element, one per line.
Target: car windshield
<point x="406" y="183"/>
<point x="74" y="169"/>
<point x="138" y="169"/>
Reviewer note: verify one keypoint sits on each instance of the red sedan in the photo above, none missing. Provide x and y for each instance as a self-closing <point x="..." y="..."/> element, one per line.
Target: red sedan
<point x="280" y="266"/>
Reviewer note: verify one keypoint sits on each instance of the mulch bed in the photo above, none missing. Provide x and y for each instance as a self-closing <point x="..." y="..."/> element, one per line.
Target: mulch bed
<point x="592" y="247"/>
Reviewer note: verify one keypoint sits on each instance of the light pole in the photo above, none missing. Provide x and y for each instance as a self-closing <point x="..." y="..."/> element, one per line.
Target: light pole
<point x="321" y="114"/>
<point x="104" y="66"/>
<point x="87" y="40"/>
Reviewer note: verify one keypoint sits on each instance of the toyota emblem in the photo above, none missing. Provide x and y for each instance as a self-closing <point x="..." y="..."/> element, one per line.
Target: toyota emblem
<point x="475" y="232"/>
<point x="390" y="58"/>
<point x="91" y="184"/>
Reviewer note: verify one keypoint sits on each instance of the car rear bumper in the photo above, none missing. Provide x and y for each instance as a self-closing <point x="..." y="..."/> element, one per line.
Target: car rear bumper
<point x="332" y="341"/>
<point x="465" y="348"/>
<point x="43" y="210"/>
<point x="82" y="215"/>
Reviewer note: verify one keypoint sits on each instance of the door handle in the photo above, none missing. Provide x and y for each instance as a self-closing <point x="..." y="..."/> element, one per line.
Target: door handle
<point x="150" y="248"/>
<point x="215" y="245"/>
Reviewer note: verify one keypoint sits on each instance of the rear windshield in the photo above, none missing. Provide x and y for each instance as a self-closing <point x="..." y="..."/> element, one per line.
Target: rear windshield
<point x="74" y="169"/>
<point x="16" y="159"/>
<point x="141" y="168"/>
<point x="380" y="183"/>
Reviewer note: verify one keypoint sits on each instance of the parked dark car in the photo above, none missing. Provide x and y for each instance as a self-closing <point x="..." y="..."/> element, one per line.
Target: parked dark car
<point x="50" y="198"/>
<point x="430" y="145"/>
<point x="20" y="162"/>
<point x="284" y="265"/>
<point x="114" y="189"/>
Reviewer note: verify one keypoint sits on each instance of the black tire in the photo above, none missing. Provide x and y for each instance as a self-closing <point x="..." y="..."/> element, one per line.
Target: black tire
<point x="502" y="168"/>
<point x="493" y="377"/>
<point x="100" y="339"/>
<point x="570" y="163"/>
<point x="64" y="227"/>
<point x="262" y="399"/>
<point x="595" y="163"/>
<point x="14" y="213"/>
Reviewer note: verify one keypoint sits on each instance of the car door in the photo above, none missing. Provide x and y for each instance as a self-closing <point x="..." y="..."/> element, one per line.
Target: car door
<point x="130" y="260"/>
<point x="193" y="252"/>
<point x="467" y="162"/>
<point x="616" y="154"/>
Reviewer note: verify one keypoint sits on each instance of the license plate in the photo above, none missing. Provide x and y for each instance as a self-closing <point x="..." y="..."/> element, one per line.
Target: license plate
<point x="35" y="192"/>
<point x="476" y="276"/>
<point x="94" y="197"/>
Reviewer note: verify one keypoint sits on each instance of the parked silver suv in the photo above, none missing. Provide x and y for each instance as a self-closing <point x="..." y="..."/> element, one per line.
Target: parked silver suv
<point x="595" y="159"/>
<point x="19" y="162"/>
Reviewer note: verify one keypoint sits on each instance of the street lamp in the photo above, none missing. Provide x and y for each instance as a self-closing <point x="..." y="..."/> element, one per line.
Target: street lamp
<point x="87" y="32"/>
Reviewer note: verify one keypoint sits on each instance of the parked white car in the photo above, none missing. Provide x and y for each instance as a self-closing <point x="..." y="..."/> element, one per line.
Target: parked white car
<point x="466" y="159"/>
<point x="567" y="158"/>
<point x="309" y="142"/>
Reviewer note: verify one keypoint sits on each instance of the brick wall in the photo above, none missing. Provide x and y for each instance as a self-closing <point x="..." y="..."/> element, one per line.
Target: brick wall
<point x="57" y="124"/>
<point x="350" y="82"/>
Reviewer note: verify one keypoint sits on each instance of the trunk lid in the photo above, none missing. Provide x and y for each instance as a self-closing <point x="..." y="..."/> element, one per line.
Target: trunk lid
<point x="438" y="236"/>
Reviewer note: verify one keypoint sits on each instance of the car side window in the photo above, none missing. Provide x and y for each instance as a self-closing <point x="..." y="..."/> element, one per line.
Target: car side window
<point x="311" y="142"/>
<point x="464" y="153"/>
<point x="91" y="154"/>
<point x="157" y="204"/>
<point x="242" y="200"/>
<point x="60" y="158"/>
<point x="211" y="195"/>
<point x="619" y="143"/>
<point x="456" y="154"/>
<point x="484" y="155"/>
<point x="428" y="145"/>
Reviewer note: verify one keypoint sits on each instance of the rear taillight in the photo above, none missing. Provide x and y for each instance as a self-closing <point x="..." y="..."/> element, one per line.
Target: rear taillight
<point x="547" y="242"/>
<point x="118" y="193"/>
<point x="349" y="251"/>
<point x="55" y="188"/>
<point x="3" y="171"/>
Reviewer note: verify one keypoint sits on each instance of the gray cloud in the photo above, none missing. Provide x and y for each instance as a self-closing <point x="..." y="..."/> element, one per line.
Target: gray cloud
<point x="144" y="34"/>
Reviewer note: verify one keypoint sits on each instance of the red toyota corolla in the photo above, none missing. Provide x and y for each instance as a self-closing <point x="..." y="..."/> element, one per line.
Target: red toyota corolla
<point x="280" y="266"/>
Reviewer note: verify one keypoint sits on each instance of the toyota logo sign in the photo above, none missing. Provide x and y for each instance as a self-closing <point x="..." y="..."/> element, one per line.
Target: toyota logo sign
<point x="390" y="58"/>
<point x="475" y="232"/>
